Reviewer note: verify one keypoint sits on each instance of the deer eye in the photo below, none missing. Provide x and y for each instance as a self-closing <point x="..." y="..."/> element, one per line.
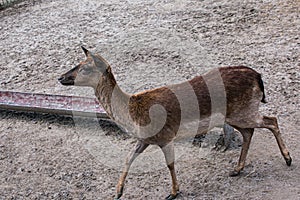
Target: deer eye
<point x="85" y="71"/>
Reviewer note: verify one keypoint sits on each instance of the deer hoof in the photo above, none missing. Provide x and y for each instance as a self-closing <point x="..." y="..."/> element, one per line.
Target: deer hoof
<point x="288" y="161"/>
<point x="119" y="194"/>
<point x="117" y="197"/>
<point x="172" y="196"/>
<point x="234" y="173"/>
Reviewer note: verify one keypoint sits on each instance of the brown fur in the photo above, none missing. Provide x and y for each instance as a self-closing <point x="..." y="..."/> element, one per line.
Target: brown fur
<point x="237" y="99"/>
<point x="234" y="92"/>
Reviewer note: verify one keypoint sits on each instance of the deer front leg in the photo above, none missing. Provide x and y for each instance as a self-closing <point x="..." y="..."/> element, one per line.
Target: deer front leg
<point x="169" y="154"/>
<point x="225" y="140"/>
<point x="138" y="149"/>
<point x="247" y="135"/>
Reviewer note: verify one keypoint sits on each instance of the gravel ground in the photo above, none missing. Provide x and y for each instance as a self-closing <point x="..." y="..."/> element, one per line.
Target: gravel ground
<point x="149" y="44"/>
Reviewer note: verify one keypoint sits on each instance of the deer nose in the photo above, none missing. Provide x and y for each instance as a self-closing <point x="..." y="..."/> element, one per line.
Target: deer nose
<point x="61" y="78"/>
<point x="66" y="80"/>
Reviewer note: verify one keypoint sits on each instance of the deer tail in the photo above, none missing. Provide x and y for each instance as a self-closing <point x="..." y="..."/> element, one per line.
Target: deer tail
<point x="262" y="88"/>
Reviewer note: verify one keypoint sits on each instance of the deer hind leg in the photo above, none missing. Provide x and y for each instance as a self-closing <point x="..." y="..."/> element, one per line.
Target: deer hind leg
<point x="247" y="135"/>
<point x="169" y="154"/>
<point x="138" y="149"/>
<point x="271" y="124"/>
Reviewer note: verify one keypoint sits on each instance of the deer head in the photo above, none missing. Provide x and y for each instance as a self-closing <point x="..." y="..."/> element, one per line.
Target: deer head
<point x="88" y="72"/>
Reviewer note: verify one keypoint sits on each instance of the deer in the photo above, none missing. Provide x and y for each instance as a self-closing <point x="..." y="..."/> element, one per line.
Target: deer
<point x="160" y="116"/>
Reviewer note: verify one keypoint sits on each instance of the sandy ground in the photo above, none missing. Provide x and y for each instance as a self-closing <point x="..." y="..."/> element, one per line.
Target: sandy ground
<point x="149" y="44"/>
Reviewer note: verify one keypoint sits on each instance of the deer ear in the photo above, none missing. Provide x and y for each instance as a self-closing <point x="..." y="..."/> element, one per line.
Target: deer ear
<point x="100" y="64"/>
<point x="86" y="52"/>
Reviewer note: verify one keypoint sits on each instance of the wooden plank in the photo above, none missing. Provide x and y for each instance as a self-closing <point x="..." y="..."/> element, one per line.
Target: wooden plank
<point x="54" y="104"/>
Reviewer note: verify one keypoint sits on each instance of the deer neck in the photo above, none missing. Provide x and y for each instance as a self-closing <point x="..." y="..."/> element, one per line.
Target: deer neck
<point x="113" y="100"/>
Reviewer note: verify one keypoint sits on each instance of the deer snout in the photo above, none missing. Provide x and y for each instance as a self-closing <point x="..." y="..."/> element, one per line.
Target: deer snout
<point x="66" y="80"/>
<point x="69" y="77"/>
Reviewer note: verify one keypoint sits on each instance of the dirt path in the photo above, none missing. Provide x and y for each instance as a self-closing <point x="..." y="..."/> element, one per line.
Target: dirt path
<point x="149" y="44"/>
